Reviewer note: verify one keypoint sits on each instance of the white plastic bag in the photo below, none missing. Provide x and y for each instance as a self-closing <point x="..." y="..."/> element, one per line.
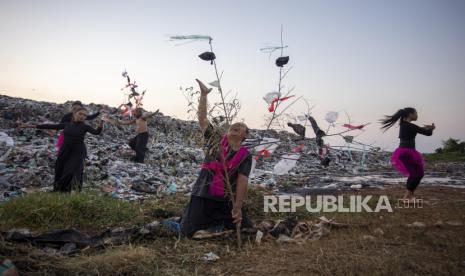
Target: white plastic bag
<point x="270" y="96"/>
<point x="4" y="138"/>
<point x="331" y="117"/>
<point x="287" y="163"/>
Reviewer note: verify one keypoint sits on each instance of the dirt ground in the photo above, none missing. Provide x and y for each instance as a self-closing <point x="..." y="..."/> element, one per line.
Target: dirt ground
<point x="374" y="244"/>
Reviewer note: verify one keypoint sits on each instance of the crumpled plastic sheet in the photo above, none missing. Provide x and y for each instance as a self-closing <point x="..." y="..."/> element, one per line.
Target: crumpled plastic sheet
<point x="7" y="140"/>
<point x="287" y="163"/>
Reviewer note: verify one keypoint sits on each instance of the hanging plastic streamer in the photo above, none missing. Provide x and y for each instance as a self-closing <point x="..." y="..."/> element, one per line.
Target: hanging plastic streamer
<point x="276" y="100"/>
<point x="189" y="38"/>
<point x="271" y="49"/>
<point x="287" y="163"/>
<point x="269" y="97"/>
<point x="331" y="117"/>
<point x="349" y="126"/>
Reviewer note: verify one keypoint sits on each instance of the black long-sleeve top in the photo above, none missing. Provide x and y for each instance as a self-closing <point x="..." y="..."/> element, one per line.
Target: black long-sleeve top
<point x="408" y="132"/>
<point x="68" y="117"/>
<point x="74" y="132"/>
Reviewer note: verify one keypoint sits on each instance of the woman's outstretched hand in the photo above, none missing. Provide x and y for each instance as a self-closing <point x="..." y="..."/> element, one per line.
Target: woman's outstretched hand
<point x="432" y="126"/>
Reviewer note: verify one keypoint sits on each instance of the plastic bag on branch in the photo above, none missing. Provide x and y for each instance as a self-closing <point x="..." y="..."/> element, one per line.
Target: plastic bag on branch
<point x="331" y="117"/>
<point x="302" y="118"/>
<point x="274" y="102"/>
<point x="287" y="163"/>
<point x="269" y="97"/>
<point x="349" y="139"/>
<point x="215" y="84"/>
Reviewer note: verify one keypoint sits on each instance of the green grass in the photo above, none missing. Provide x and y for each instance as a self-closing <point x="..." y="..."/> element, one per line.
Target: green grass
<point x="85" y="211"/>
<point x="445" y="157"/>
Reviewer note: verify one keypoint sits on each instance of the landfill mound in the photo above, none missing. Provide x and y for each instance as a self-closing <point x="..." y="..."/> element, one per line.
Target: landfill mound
<point x="27" y="156"/>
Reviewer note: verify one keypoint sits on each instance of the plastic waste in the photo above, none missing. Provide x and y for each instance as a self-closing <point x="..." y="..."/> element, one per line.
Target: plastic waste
<point x="287" y="163"/>
<point x="210" y="257"/>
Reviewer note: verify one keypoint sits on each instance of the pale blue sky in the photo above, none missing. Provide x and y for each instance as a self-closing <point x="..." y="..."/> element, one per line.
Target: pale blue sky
<point x="367" y="57"/>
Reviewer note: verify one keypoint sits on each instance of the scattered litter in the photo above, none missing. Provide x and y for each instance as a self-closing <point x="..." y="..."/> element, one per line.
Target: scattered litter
<point x="368" y="237"/>
<point x="210" y="257"/>
<point x="205" y="234"/>
<point x="287" y="163"/>
<point x="417" y="224"/>
<point x="258" y="237"/>
<point x="284" y="239"/>
<point x="454" y="223"/>
<point x="356" y="186"/>
<point x="7" y="140"/>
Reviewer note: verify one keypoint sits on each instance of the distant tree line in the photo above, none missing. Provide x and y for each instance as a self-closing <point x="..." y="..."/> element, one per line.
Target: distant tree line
<point x="452" y="146"/>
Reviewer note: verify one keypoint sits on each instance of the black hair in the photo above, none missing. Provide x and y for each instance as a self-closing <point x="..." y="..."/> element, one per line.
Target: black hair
<point x="76" y="103"/>
<point x="80" y="108"/>
<point x="389" y="121"/>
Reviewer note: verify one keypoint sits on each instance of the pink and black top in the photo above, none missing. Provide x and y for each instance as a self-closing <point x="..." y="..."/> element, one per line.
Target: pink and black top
<point x="210" y="183"/>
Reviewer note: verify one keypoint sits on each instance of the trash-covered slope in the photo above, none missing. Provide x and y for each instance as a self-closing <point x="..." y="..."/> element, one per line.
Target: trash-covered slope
<point x="27" y="156"/>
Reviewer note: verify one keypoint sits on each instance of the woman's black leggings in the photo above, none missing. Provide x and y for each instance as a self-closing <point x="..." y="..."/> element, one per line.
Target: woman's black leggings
<point x="416" y="172"/>
<point x="413" y="182"/>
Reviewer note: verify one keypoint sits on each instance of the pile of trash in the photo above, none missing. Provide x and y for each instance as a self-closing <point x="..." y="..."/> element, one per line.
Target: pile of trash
<point x="27" y="156"/>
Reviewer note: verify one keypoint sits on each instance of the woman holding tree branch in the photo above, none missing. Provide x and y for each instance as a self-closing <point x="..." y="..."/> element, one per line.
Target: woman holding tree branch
<point x="220" y="190"/>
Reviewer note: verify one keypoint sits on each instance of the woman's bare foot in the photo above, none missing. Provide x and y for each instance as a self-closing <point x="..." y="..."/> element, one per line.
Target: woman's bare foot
<point x="203" y="89"/>
<point x="409" y="197"/>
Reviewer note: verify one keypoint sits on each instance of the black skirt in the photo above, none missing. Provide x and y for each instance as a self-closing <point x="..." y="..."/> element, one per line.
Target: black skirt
<point x="203" y="213"/>
<point x="69" y="167"/>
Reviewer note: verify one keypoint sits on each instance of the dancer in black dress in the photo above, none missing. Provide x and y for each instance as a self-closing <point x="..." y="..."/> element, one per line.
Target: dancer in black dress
<point x="69" y="165"/>
<point x="68" y="117"/>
